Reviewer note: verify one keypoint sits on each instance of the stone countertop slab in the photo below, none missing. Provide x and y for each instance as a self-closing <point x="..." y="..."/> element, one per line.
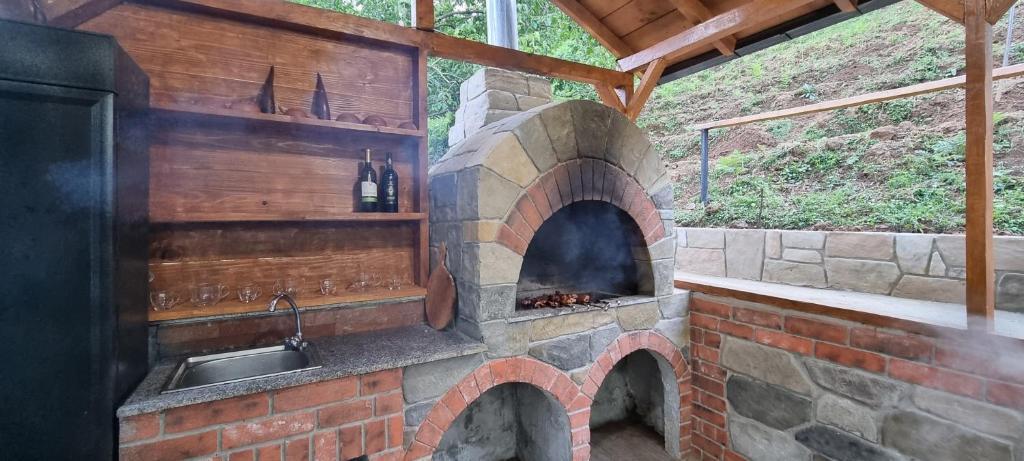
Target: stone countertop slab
<point x="347" y="355"/>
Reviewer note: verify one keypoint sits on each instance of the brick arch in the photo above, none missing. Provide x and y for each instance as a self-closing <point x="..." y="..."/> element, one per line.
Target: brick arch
<point x="574" y="181"/>
<point x="548" y="379"/>
<point x="662" y="349"/>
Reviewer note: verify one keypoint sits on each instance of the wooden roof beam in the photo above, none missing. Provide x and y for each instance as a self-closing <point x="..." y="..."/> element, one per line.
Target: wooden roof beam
<point x="696" y="13"/>
<point x="846" y="6"/>
<point x="594" y="27"/>
<point x="645" y="88"/>
<point x="716" y="28"/>
<point x="995" y="9"/>
<point x="952" y="9"/>
<point x="423" y="14"/>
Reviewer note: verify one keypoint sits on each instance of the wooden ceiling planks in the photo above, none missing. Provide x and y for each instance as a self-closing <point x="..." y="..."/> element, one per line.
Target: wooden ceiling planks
<point x="593" y="25"/>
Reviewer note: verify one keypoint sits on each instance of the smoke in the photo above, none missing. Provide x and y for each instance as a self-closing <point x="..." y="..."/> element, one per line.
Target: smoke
<point x="587" y="247"/>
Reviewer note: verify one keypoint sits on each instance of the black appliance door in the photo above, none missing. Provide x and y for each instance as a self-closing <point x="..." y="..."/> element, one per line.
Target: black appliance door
<point x="56" y="318"/>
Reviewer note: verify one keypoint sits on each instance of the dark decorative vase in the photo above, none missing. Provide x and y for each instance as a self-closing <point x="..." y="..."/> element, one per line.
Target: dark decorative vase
<point x="320" y="109"/>
<point x="266" y="96"/>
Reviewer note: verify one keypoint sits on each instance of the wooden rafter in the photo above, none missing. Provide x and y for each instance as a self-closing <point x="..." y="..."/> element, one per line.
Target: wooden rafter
<point x="846" y="6"/>
<point x="644" y="89"/>
<point x="995" y="9"/>
<point x="78" y="14"/>
<point x="696" y="12"/>
<point x="594" y="27"/>
<point x="423" y="14"/>
<point x="610" y="98"/>
<point x="716" y="28"/>
<point x="952" y="9"/>
<point x="978" y="162"/>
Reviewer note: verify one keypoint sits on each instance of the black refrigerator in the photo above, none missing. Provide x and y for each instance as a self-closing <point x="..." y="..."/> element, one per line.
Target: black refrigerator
<point x="74" y="176"/>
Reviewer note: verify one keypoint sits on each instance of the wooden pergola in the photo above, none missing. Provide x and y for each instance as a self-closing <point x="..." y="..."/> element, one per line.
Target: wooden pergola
<point x="652" y="39"/>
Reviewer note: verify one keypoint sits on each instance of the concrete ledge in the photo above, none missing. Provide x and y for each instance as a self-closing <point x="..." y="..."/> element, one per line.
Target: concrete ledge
<point x="923" y="317"/>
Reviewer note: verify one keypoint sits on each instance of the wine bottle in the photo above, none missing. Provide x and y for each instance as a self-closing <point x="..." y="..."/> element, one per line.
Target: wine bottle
<point x="367" y="186"/>
<point x="389" y="187"/>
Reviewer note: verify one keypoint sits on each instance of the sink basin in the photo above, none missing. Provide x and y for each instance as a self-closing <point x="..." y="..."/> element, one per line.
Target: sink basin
<point x="230" y="367"/>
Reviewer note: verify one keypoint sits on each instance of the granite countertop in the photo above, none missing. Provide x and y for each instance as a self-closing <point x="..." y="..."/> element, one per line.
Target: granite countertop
<point x="347" y="355"/>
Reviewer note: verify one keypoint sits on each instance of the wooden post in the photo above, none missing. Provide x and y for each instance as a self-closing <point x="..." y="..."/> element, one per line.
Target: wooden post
<point x="502" y="26"/>
<point x="423" y="14"/>
<point x="980" y="267"/>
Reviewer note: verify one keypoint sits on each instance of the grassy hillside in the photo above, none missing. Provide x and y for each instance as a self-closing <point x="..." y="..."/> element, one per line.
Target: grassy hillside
<point x="890" y="166"/>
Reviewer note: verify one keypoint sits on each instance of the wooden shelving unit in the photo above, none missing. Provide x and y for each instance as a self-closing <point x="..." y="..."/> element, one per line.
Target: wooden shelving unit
<point x="238" y="196"/>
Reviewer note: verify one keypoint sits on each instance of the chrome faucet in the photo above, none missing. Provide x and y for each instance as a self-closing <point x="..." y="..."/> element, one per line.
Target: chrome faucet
<point x="296" y="341"/>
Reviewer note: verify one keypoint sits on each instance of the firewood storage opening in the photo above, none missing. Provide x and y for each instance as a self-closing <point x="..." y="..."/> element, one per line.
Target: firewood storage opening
<point x="587" y="253"/>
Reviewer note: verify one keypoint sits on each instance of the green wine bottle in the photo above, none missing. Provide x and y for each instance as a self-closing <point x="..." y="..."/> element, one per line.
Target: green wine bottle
<point x="367" y="186"/>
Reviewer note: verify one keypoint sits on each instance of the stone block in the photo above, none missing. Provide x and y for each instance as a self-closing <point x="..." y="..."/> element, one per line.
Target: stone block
<point x="530" y="102"/>
<point x="493" y="115"/>
<point x="539" y="86"/>
<point x="869" y="389"/>
<point x="534" y="138"/>
<point x="847" y="415"/>
<point x="840" y="446"/>
<point x="417" y="412"/>
<point x="808" y="275"/>
<point x="485" y="303"/>
<point x="990" y="419"/>
<point x="744" y="254"/>
<point x="650" y="168"/>
<point x="626" y="143"/>
<point x="803" y="239"/>
<point x="662" y="249"/>
<point x="479" y="231"/>
<point x="443" y="190"/>
<point x="557" y="120"/>
<point x="566" y="324"/>
<point x="912" y="252"/>
<point x="566" y="352"/>
<point x="601" y="338"/>
<point x="861" y="276"/>
<point x="767" y="364"/>
<point x="457" y="133"/>
<point x="591" y="121"/>
<point x="432" y="379"/>
<point x="865" y="245"/>
<point x="508" y="159"/>
<point x="676" y="330"/>
<point x="773" y="244"/>
<point x="801" y="255"/>
<point x="705" y="238"/>
<point x="675" y="305"/>
<point x="952" y="248"/>
<point x="931" y="289"/>
<point x="767" y="404"/>
<point x="663" y="275"/>
<point x="702" y="261"/>
<point x="1010" y="292"/>
<point x="662" y="198"/>
<point x="505" y="339"/>
<point x="1009" y="254"/>
<point x="924" y="437"/>
<point x="936" y="267"/>
<point x="490" y="198"/>
<point x="498" y="264"/>
<point x="491" y="78"/>
<point x="757" y="442"/>
<point x="638" y="316"/>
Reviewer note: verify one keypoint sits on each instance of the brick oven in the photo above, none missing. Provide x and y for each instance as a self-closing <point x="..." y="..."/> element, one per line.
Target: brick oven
<point x="568" y="197"/>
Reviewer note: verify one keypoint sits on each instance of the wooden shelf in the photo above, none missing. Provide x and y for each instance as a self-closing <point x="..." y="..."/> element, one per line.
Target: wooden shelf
<point x="348" y="217"/>
<point x="232" y="306"/>
<point x="175" y="111"/>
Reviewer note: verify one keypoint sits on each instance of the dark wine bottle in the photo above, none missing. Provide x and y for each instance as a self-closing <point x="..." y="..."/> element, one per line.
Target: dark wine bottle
<point x="367" y="186"/>
<point x="389" y="187"/>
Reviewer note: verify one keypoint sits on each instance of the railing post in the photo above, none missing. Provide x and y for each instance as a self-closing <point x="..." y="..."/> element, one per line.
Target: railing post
<point x="704" y="166"/>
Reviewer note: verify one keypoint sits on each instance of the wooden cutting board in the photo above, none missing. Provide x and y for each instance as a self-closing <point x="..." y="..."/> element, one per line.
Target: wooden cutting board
<point x="440" y="293"/>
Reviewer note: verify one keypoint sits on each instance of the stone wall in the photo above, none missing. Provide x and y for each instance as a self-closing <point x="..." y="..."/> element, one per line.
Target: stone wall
<point x="772" y="384"/>
<point x="917" y="266"/>
<point x="494" y="94"/>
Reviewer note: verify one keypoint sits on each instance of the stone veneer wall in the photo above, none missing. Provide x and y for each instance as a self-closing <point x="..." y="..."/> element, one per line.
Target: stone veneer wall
<point x="917" y="266"/>
<point x="494" y="94"/>
<point x="772" y="384"/>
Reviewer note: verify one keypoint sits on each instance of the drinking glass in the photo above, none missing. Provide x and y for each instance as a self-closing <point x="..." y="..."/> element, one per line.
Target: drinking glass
<point x="362" y="282"/>
<point x="328" y="287"/>
<point x="164" y="299"/>
<point x="289" y="286"/>
<point x="249" y="292"/>
<point x="208" y="294"/>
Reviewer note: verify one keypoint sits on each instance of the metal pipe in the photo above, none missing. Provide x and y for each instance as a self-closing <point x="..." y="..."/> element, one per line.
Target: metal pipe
<point x="704" y="166"/>
<point x="502" y="25"/>
<point x="1009" y="35"/>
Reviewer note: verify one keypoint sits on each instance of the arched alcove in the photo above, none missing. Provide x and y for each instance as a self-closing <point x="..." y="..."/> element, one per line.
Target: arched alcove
<point x="636" y="409"/>
<point x="512" y="421"/>
<point x="588" y="247"/>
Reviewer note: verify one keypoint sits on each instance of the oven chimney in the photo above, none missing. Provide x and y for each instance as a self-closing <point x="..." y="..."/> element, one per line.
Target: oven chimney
<point x="493" y="94"/>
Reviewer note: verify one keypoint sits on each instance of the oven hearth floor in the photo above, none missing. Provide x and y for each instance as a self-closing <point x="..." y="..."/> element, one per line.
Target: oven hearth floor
<point x="625" y="440"/>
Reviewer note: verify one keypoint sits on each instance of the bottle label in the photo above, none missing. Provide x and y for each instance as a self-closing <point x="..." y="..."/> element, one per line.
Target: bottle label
<point x="389" y="193"/>
<point x="369" y="191"/>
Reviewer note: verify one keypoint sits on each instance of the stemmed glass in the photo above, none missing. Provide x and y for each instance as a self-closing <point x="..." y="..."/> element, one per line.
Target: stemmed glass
<point x="289" y="286"/>
<point x="163" y="300"/>
<point x="249" y="292"/>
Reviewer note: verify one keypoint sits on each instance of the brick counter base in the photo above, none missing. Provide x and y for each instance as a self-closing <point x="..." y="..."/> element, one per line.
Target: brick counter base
<point x="812" y="385"/>
<point x="326" y="421"/>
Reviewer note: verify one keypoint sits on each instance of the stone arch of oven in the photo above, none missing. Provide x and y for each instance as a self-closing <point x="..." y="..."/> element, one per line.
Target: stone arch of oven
<point x="553" y="382"/>
<point x="675" y="376"/>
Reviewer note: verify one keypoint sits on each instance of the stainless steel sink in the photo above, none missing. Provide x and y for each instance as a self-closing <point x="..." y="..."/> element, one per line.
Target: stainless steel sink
<point x="230" y="367"/>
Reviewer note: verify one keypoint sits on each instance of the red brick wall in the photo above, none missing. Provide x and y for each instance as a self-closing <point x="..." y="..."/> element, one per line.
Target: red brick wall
<point x="954" y="363"/>
<point x="330" y="420"/>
